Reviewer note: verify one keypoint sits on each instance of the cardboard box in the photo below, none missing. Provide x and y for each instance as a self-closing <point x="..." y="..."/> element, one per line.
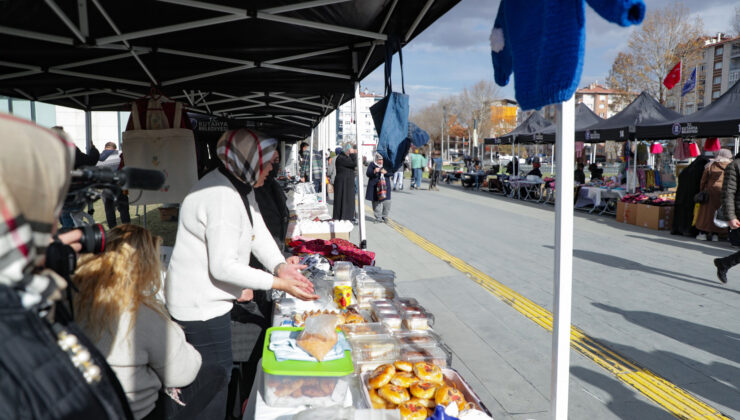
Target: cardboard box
<point x="654" y="217"/>
<point x="626" y="213"/>
<point x="327" y="236"/>
<point x="169" y="214"/>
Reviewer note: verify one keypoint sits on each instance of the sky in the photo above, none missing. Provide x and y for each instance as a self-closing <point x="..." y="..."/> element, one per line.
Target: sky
<point x="454" y="52"/>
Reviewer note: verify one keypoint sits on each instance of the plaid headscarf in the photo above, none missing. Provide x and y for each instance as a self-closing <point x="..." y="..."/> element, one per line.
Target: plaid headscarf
<point x="34" y="177"/>
<point x="245" y="153"/>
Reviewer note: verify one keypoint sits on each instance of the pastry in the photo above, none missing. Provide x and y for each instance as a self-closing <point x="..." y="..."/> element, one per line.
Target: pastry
<point x="404" y="379"/>
<point x="375" y="350"/>
<point x="424" y="402"/>
<point x="288" y="387"/>
<point x="327" y="385"/>
<point x="404" y="366"/>
<point x="447" y="394"/>
<point x="423" y="390"/>
<point x="376" y="401"/>
<point x="317" y="345"/>
<point x="394" y="394"/>
<point x="382" y="375"/>
<point x="428" y="372"/>
<point x="412" y="411"/>
<point x="353" y="318"/>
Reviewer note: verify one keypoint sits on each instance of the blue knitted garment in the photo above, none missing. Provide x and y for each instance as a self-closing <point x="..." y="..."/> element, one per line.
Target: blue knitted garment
<point x="542" y="43"/>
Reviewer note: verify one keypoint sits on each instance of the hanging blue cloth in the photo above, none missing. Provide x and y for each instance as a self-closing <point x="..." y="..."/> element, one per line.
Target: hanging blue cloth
<point x="542" y="43"/>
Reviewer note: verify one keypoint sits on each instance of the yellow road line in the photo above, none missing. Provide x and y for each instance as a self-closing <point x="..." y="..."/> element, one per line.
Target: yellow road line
<point x="675" y="400"/>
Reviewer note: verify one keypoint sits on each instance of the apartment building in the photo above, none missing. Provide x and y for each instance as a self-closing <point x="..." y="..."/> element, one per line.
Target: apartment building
<point x="602" y="100"/>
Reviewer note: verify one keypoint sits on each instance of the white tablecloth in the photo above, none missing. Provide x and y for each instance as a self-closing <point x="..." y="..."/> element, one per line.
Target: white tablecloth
<point x="595" y="196"/>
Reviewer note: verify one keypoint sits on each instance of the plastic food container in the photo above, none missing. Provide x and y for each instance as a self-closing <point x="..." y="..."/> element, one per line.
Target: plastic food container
<point x="439" y="354"/>
<point x="426" y="338"/>
<point x="370" y="365"/>
<point x="392" y="321"/>
<point x="406" y="301"/>
<point x="343" y="271"/>
<point x="293" y="383"/>
<point x="450" y="376"/>
<point x="418" y="321"/>
<point x="373" y="348"/>
<point x="363" y="330"/>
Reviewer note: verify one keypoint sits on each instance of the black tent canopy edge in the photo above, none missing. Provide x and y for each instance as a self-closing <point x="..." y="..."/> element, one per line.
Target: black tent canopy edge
<point x="267" y="62"/>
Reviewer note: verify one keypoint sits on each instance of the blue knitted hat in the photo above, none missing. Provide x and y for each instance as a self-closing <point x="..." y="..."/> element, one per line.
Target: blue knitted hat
<point x="542" y="43"/>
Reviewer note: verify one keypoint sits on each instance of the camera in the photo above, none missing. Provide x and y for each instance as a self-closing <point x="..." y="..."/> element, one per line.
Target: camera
<point x="93" y="238"/>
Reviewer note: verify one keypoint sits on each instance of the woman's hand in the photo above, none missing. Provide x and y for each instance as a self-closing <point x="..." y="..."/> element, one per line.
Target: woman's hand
<point x="72" y="238"/>
<point x="293" y="260"/>
<point x="734" y="223"/>
<point x="377" y="170"/>
<point x="302" y="289"/>
<point x="247" y="295"/>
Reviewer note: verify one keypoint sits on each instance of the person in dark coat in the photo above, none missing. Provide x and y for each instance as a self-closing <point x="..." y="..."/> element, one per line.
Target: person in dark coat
<point x="579" y="176"/>
<point x="375" y="171"/>
<point x="731" y="207"/>
<point x="689" y="182"/>
<point x="344" y="184"/>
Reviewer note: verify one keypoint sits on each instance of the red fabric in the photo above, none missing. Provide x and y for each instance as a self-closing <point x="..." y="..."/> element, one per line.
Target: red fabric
<point x="335" y="250"/>
<point x="673" y="77"/>
<point x="693" y="150"/>
<point x="656" y="148"/>
<point x="712" y="145"/>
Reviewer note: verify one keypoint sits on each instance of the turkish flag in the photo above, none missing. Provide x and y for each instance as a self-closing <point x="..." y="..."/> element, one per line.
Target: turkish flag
<point x="673" y="77"/>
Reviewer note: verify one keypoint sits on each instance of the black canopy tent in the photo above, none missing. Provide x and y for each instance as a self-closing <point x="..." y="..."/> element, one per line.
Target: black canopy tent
<point x="584" y="118"/>
<point x="526" y="131"/>
<point x="273" y="62"/>
<point x="644" y="110"/>
<point x="721" y="118"/>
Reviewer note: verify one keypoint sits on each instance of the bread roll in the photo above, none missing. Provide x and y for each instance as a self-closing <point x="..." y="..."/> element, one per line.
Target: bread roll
<point x="394" y="394"/>
<point x="382" y="375"/>
<point x="428" y="372"/>
<point x="424" y="402"/>
<point x="404" y="379"/>
<point x="424" y="390"/>
<point x="376" y="401"/>
<point x="447" y="394"/>
<point x="412" y="411"/>
<point x="404" y="366"/>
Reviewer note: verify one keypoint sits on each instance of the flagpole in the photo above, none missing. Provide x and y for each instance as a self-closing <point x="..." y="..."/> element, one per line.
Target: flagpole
<point x="680" y="73"/>
<point x="696" y="90"/>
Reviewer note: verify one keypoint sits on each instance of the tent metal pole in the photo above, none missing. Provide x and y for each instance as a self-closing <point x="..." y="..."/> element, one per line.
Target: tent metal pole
<point x="309" y="176"/>
<point x="22" y="33"/>
<point x="305" y="71"/>
<point x="209" y="74"/>
<point x="63" y="17"/>
<point x="303" y="5"/>
<point x="564" y="179"/>
<point x="322" y="146"/>
<point x="98" y="77"/>
<point x="171" y="28"/>
<point x="319" y="25"/>
<point x="360" y="189"/>
<point x="88" y="131"/>
<point x="737" y="144"/>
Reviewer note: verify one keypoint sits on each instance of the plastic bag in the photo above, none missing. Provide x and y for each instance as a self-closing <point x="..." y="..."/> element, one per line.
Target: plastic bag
<point x="340" y="413"/>
<point x="319" y="335"/>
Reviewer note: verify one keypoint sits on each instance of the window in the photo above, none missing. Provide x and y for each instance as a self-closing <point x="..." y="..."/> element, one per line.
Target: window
<point x="602" y="97"/>
<point x="671" y="103"/>
<point x="717" y="80"/>
<point x="718" y="51"/>
<point x="601" y="106"/>
<point x="715" y="94"/>
<point x="735" y="49"/>
<point x="735" y="64"/>
<point x="718" y="65"/>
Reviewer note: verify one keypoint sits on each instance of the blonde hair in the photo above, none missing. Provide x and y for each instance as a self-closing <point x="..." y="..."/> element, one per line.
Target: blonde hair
<point x="119" y="280"/>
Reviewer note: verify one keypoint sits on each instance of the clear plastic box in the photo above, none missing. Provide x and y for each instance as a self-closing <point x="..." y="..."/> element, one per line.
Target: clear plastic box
<point x="392" y="321"/>
<point x="373" y="348"/>
<point x="426" y="338"/>
<point x="439" y="354"/>
<point x="293" y="383"/>
<point x="362" y="330"/>
<point x="343" y="271"/>
<point x="418" y="321"/>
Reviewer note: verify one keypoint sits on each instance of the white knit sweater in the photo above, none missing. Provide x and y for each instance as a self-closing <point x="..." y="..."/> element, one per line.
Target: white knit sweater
<point x="210" y="262"/>
<point x="151" y="354"/>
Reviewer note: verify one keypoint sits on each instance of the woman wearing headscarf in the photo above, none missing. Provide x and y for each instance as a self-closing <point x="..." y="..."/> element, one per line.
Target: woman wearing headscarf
<point x="220" y="226"/>
<point x="344" y="184"/>
<point x="711" y="185"/>
<point x="381" y="199"/>
<point x="37" y="339"/>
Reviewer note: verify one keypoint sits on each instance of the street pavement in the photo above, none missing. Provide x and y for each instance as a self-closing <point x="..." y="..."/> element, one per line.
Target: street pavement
<point x="652" y="297"/>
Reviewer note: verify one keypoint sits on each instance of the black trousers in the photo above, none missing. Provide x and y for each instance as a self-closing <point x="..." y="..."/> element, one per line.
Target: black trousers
<point x="110" y="210"/>
<point x="196" y="397"/>
<point x="730" y="260"/>
<point x="212" y="338"/>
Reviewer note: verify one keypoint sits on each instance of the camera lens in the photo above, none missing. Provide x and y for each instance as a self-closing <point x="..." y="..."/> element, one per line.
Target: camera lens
<point x="93" y="238"/>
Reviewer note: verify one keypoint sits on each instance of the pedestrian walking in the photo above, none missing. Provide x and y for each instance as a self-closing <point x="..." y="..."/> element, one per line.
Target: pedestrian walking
<point x="436" y="170"/>
<point x="418" y="162"/>
<point x="378" y="181"/>
<point x="730" y="208"/>
<point x="710" y="195"/>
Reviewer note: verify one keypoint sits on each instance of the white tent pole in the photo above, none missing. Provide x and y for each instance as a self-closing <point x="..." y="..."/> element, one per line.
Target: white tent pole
<point x="564" y="179"/>
<point x="360" y="170"/>
<point x="737" y="144"/>
<point x="309" y="177"/>
<point x="634" y="169"/>
<point x="322" y="146"/>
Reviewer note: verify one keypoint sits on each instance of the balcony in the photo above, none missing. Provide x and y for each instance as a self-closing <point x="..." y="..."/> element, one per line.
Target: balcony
<point x="734" y="77"/>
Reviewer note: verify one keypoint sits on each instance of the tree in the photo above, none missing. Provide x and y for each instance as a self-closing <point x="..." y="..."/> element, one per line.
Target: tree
<point x="665" y="37"/>
<point x="475" y="107"/>
<point x="622" y="78"/>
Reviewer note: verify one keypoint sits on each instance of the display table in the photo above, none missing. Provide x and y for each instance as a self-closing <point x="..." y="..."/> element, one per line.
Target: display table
<point x="531" y="189"/>
<point x="599" y="197"/>
<point x="473" y="179"/>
